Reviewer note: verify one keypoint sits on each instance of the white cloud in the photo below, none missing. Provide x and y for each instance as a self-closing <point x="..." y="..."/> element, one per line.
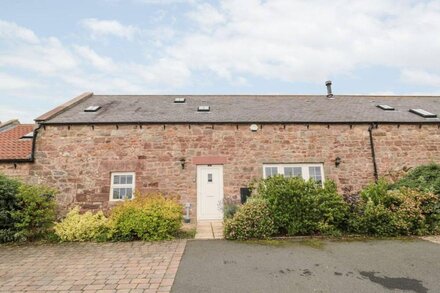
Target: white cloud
<point x="99" y="27"/>
<point x="48" y="56"/>
<point x="164" y="72"/>
<point x="99" y="62"/>
<point x="206" y="16"/>
<point x="10" y="30"/>
<point x="421" y="77"/>
<point x="78" y="68"/>
<point x="9" y="82"/>
<point x="310" y="41"/>
<point x="165" y="2"/>
<point x="13" y="113"/>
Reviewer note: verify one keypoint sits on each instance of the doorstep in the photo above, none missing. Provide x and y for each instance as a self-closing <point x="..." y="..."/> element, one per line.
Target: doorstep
<point x="209" y="229"/>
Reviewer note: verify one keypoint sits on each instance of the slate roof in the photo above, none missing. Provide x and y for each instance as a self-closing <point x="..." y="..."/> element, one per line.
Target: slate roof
<point x="12" y="147"/>
<point x="247" y="109"/>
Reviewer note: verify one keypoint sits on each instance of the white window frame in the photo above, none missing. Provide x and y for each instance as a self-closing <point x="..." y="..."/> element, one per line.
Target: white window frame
<point x="112" y="185"/>
<point x="304" y="169"/>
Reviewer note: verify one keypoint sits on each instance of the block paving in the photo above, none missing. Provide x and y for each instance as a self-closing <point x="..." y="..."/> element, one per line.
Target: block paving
<point x="90" y="267"/>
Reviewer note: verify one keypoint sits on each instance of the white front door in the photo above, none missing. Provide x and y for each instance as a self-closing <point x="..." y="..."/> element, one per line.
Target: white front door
<point x="209" y="192"/>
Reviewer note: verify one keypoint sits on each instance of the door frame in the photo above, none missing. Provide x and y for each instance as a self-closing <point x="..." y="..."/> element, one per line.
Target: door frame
<point x="199" y="197"/>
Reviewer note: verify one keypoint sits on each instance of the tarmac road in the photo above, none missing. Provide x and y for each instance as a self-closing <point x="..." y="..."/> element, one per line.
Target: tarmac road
<point x="409" y="265"/>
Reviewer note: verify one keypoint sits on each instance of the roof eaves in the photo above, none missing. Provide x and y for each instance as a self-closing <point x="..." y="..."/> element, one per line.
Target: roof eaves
<point x="22" y="160"/>
<point x="348" y="122"/>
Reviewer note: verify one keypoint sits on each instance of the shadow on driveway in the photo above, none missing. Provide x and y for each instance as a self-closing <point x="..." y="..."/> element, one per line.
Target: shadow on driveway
<point x="309" y="266"/>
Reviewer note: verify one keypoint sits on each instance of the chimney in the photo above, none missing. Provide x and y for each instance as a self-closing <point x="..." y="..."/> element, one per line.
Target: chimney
<point x="328" y="84"/>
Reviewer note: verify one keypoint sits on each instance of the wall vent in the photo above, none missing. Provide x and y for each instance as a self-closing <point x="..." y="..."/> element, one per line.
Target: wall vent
<point x="423" y="113"/>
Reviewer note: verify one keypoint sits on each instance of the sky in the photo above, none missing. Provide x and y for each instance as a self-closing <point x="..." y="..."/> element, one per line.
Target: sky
<point x="54" y="50"/>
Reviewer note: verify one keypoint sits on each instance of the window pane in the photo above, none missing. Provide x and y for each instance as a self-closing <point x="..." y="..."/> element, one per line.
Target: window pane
<point x="116" y="179"/>
<point x="116" y="193"/>
<point x="288" y="171"/>
<point x="123" y="179"/>
<point x="315" y="173"/>
<point x="271" y="171"/>
<point x="209" y="177"/>
<point x="292" y="171"/>
<point x="297" y="171"/>
<point x="129" y="179"/>
<point x="129" y="193"/>
<point x="122" y="192"/>
<point x="267" y="171"/>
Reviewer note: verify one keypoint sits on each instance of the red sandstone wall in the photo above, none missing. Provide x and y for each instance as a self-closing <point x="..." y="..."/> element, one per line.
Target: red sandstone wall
<point x="78" y="161"/>
<point x="19" y="171"/>
<point x="405" y="146"/>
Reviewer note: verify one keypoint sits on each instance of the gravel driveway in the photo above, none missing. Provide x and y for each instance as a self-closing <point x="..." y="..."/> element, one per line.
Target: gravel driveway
<point x="309" y="266"/>
<point x="90" y="267"/>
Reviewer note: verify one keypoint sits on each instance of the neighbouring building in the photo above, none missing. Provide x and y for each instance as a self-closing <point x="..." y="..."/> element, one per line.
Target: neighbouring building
<point x="16" y="148"/>
<point x="98" y="149"/>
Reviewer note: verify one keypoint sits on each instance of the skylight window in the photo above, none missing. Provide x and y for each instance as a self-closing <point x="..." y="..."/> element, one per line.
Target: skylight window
<point x="179" y="100"/>
<point x="92" y="108"/>
<point x="28" y="135"/>
<point x="423" y="113"/>
<point x="385" y="107"/>
<point x="204" y="108"/>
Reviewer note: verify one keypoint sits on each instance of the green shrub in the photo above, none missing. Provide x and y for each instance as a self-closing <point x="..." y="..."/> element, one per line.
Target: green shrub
<point x="403" y="211"/>
<point x="82" y="227"/>
<point x="8" y="204"/>
<point x="229" y="210"/>
<point x="146" y="217"/>
<point x="421" y="210"/>
<point x="304" y="207"/>
<point x="373" y="219"/>
<point x="425" y="178"/>
<point x="252" y="220"/>
<point x="36" y="211"/>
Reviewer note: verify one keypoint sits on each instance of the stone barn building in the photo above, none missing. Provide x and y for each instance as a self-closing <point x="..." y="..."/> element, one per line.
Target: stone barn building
<point x="98" y="149"/>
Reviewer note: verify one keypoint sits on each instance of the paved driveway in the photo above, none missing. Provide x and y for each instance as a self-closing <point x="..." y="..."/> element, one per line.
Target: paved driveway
<point x="309" y="266"/>
<point x="90" y="267"/>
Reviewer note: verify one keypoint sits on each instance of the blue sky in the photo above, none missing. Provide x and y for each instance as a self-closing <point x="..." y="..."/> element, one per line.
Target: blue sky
<point x="51" y="51"/>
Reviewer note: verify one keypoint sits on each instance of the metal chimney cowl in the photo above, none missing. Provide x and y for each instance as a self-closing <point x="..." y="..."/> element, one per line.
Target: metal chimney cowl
<point x="328" y="84"/>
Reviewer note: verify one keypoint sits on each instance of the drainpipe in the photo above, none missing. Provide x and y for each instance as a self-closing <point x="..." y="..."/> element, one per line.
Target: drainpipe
<point x="373" y="152"/>
<point x="34" y="142"/>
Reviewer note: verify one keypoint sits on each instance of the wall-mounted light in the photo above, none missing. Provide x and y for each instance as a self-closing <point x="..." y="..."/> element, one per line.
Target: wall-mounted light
<point x="253" y="127"/>
<point x="337" y="161"/>
<point x="182" y="163"/>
